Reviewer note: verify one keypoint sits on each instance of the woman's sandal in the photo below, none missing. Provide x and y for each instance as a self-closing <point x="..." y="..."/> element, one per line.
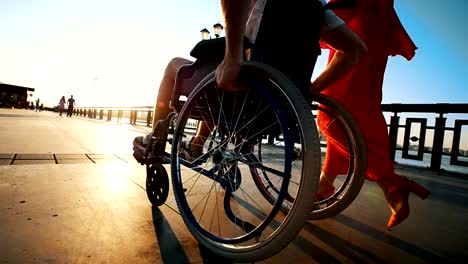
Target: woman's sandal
<point x="405" y="186"/>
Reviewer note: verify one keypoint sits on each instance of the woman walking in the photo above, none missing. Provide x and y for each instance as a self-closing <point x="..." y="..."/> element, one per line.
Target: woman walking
<point x="61" y="106"/>
<point x="360" y="92"/>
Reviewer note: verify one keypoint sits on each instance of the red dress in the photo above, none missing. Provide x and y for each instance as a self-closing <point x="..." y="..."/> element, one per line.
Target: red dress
<point x="360" y="91"/>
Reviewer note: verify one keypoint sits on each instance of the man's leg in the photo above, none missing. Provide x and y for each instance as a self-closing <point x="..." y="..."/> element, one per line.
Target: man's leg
<point x="161" y="109"/>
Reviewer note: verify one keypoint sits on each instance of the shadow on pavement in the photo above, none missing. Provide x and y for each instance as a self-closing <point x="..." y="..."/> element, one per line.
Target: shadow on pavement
<point x="396" y="242"/>
<point x="170" y="247"/>
<point x="348" y="249"/>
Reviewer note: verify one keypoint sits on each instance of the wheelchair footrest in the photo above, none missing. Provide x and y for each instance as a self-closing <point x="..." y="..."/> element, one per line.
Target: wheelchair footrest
<point x="158" y="160"/>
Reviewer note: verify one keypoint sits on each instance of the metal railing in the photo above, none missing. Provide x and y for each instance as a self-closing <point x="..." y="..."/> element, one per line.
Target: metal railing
<point x="132" y="115"/>
<point x="439" y="131"/>
<point x="402" y="136"/>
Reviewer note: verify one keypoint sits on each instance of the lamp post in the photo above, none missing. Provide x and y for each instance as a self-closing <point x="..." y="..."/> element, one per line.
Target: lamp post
<point x="205" y="34"/>
<point x="217" y="29"/>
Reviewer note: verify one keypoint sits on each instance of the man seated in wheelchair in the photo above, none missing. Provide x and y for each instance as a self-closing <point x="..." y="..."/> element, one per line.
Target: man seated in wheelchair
<point x="308" y="25"/>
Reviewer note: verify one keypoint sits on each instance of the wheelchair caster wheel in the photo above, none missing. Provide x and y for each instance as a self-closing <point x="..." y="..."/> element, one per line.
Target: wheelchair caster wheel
<point x="157" y="184"/>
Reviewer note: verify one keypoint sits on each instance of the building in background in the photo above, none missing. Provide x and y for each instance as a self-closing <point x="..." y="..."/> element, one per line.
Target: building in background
<point x="14" y="96"/>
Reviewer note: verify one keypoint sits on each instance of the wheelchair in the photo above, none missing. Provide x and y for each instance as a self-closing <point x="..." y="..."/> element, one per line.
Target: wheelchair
<point x="250" y="192"/>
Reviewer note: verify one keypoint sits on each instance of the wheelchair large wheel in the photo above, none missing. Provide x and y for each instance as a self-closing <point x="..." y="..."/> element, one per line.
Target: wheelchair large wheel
<point x="223" y="209"/>
<point x="336" y="123"/>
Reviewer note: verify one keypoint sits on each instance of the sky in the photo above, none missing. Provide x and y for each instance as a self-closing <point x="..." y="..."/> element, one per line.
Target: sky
<point x="113" y="52"/>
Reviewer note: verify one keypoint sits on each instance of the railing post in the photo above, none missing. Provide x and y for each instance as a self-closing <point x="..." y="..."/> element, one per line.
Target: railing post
<point x="438" y="143"/>
<point x="393" y="134"/>
<point x="148" y="118"/>
<point x="101" y="114"/>
<point x="271" y="139"/>
<point x="133" y="117"/>
<point x="109" y="115"/>
<point x="94" y="113"/>
<point x="119" y="115"/>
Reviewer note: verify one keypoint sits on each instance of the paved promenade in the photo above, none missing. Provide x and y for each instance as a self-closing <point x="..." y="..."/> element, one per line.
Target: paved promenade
<point x="70" y="192"/>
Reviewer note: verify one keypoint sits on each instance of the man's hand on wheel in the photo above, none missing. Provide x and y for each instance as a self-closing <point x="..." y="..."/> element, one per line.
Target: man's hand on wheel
<point x="227" y="73"/>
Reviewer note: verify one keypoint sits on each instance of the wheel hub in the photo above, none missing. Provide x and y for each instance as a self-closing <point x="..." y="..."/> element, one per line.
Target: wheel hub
<point x="220" y="156"/>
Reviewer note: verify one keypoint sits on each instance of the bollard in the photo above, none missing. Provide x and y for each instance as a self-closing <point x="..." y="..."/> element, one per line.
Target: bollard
<point x="119" y="115"/>
<point x="393" y="134"/>
<point x="148" y="118"/>
<point x="437" y="145"/>
<point x="133" y="117"/>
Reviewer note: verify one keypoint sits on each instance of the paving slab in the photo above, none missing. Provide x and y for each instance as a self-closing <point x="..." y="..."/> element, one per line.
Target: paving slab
<point x="78" y="213"/>
<point x="74" y="161"/>
<point x="32" y="161"/>
<point x="5" y="161"/>
<point x="34" y="157"/>
<point x="6" y="155"/>
<point x="70" y="156"/>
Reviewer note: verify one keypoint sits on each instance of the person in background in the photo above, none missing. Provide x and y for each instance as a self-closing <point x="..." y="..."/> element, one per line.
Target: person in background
<point x="37" y="104"/>
<point x="360" y="92"/>
<point x="71" y="104"/>
<point x="61" y="105"/>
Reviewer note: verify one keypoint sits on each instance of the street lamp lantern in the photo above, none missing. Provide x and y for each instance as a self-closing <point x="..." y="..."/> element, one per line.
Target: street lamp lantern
<point x="217" y="29"/>
<point x="205" y="34"/>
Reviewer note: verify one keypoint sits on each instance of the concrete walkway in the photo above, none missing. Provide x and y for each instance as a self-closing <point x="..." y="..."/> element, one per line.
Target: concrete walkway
<point x="70" y="192"/>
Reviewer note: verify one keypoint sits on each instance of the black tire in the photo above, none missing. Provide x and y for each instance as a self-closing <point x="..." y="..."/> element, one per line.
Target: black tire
<point x="256" y="229"/>
<point x="157" y="184"/>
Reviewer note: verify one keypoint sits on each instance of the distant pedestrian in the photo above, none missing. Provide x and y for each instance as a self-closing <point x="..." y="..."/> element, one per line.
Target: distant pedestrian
<point x="61" y="105"/>
<point x="71" y="103"/>
<point x="37" y="104"/>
